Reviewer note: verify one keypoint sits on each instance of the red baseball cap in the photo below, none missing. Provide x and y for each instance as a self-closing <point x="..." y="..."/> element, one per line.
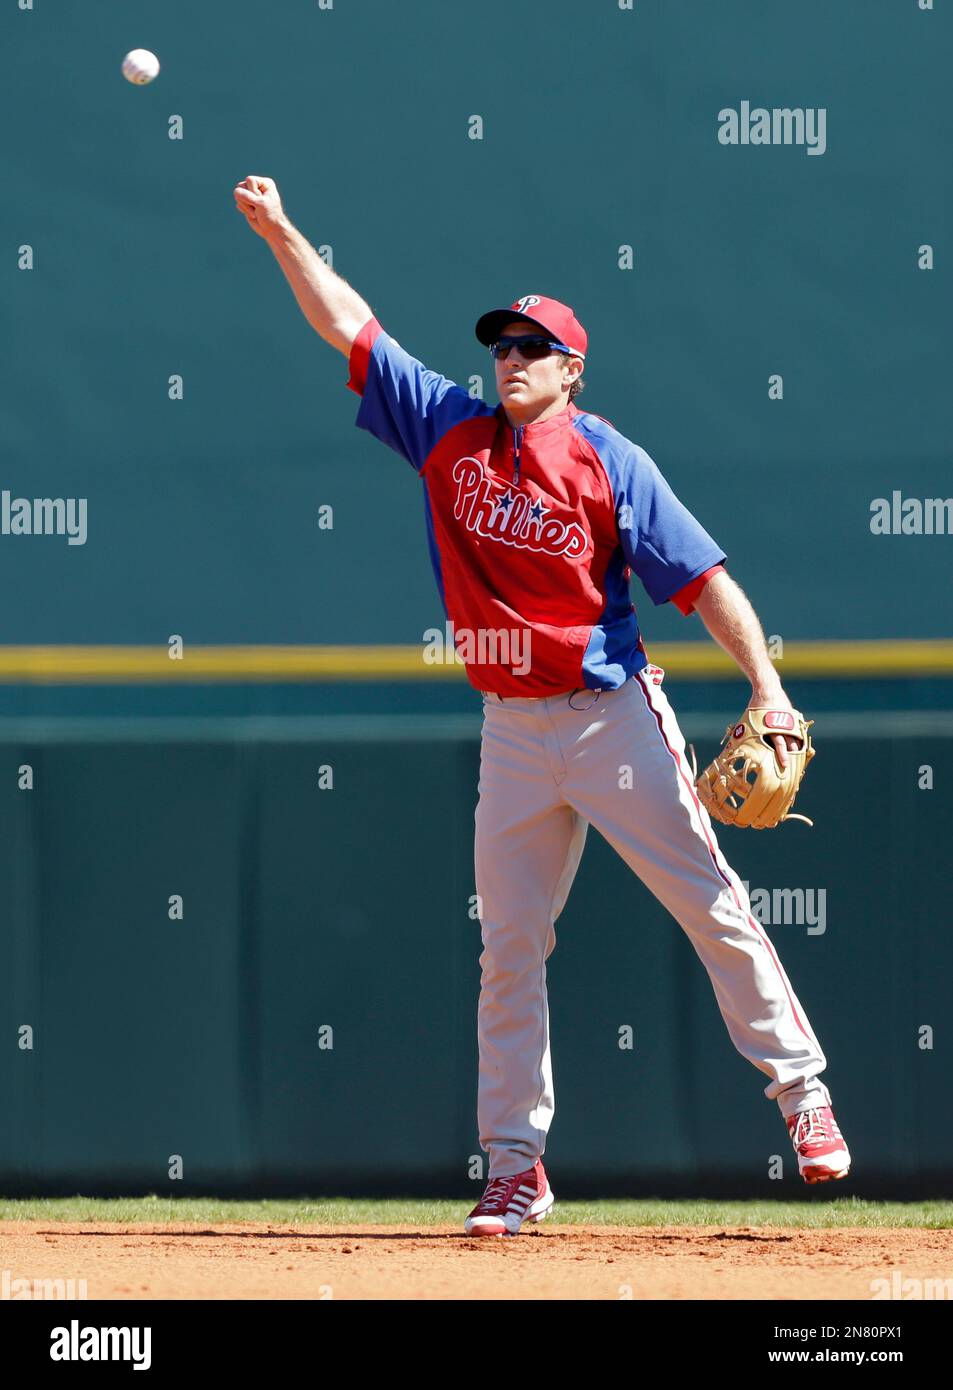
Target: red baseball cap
<point x="554" y="318"/>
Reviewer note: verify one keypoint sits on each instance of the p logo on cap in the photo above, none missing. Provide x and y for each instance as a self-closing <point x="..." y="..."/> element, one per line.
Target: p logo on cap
<point x="548" y="315"/>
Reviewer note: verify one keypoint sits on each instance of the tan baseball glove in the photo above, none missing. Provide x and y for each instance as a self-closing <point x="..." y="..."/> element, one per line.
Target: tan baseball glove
<point x="746" y="785"/>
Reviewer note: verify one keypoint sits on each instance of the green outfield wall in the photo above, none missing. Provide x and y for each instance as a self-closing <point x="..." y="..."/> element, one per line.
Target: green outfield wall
<point x="308" y="1023"/>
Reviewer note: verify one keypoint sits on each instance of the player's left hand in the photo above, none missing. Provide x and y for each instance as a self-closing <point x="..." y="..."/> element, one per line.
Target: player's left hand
<point x="754" y="780"/>
<point x="782" y="742"/>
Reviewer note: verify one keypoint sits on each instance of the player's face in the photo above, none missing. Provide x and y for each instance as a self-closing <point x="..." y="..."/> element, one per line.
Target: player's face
<point x="527" y="388"/>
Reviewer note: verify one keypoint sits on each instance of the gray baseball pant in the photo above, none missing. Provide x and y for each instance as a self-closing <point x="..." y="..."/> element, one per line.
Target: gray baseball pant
<point x="548" y="770"/>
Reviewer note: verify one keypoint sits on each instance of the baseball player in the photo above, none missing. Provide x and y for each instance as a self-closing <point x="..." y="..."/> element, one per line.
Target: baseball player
<point x="537" y="515"/>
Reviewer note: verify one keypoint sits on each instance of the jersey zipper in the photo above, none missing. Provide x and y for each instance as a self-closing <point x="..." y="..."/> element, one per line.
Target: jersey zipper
<point x="517" y="444"/>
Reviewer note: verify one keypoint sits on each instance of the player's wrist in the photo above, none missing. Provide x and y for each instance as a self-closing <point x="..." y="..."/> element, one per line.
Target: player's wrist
<point x="767" y="693"/>
<point x="278" y="231"/>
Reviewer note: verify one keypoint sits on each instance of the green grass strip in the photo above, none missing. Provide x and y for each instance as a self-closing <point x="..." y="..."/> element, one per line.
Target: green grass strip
<point x="809" y="1213"/>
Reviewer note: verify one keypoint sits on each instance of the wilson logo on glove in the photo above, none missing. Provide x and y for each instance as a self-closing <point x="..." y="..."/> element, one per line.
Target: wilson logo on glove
<point x="746" y="784"/>
<point x="779" y="719"/>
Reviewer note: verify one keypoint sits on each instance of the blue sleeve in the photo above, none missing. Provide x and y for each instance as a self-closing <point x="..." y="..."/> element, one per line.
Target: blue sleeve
<point x="662" y="542"/>
<point x="407" y="406"/>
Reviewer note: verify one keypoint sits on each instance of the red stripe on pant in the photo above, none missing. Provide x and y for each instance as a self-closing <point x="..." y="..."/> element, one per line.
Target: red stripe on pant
<point x="712" y="850"/>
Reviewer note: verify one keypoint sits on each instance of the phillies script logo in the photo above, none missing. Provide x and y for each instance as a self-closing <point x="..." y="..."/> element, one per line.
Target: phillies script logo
<point x="511" y="517"/>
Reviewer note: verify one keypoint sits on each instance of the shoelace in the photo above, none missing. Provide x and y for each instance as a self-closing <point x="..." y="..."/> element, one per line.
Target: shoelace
<point x="495" y="1192"/>
<point x="811" y="1125"/>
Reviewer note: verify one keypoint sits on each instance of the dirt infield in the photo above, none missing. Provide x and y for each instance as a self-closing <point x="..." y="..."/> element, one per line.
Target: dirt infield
<point x="195" y="1260"/>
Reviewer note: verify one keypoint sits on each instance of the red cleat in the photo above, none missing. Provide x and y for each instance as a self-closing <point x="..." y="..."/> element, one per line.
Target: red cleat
<point x="822" y="1155"/>
<point x="508" y="1202"/>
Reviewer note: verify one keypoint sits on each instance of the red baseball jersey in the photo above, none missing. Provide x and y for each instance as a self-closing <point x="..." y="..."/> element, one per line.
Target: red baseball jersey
<point x="534" y="531"/>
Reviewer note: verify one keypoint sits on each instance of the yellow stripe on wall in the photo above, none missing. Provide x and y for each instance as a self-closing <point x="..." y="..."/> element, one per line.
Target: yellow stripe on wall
<point x="690" y="660"/>
<point x="87" y="665"/>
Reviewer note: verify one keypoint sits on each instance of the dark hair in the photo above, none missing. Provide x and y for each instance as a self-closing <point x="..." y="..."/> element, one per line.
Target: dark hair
<point x="578" y="386"/>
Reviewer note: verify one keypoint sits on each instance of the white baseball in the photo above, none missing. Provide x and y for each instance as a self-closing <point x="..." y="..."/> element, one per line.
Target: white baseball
<point x="140" y="66"/>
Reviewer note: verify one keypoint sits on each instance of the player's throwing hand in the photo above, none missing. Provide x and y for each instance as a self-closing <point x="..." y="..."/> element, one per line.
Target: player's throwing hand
<point x="258" y="200"/>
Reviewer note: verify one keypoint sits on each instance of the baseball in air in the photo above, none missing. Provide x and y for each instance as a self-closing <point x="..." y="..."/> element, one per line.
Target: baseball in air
<point x="140" y="66"/>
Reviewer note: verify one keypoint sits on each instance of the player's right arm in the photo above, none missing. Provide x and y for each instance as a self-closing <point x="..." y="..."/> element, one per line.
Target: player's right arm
<point x="403" y="403"/>
<point x="333" y="309"/>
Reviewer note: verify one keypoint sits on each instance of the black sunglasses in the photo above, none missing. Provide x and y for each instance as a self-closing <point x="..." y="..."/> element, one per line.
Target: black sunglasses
<point x="531" y="348"/>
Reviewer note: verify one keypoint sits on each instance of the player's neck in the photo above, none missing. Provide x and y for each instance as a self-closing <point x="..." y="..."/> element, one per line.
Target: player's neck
<point x="527" y="417"/>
